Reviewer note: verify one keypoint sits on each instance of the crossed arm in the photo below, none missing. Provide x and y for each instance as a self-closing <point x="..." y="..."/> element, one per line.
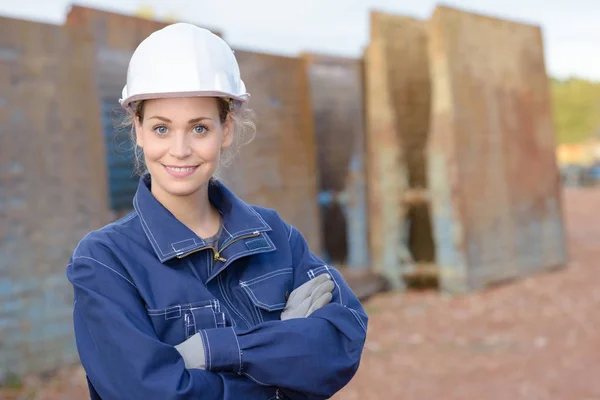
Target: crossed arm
<point x="302" y="302"/>
<point x="308" y="358"/>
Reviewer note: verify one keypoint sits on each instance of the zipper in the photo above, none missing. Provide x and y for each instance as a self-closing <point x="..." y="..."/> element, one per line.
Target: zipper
<point x="277" y="394"/>
<point x="217" y="253"/>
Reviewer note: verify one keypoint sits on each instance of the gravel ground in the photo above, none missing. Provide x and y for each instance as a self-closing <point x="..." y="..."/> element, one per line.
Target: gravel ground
<point x="532" y="339"/>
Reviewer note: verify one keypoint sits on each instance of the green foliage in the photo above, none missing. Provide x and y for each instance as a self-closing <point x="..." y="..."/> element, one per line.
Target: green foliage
<point x="12" y="381"/>
<point x="576" y="105"/>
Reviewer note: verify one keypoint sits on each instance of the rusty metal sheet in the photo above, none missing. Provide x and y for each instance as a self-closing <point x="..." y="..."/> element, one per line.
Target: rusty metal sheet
<point x="279" y="168"/>
<point x="50" y="164"/>
<point x="336" y="88"/>
<point x="113" y="30"/>
<point x="397" y="107"/>
<point x="493" y="174"/>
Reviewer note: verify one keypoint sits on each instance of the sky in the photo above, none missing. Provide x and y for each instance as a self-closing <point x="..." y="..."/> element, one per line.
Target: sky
<point x="571" y="29"/>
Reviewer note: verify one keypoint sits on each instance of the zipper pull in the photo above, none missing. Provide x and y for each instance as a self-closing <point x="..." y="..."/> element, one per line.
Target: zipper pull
<point x="217" y="257"/>
<point x="277" y="394"/>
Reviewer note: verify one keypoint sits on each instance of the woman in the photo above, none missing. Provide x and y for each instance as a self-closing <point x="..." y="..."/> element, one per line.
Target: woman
<point x="195" y="294"/>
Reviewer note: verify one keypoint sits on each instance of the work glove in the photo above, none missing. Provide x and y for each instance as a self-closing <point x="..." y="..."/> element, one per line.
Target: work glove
<point x="309" y="297"/>
<point x="302" y="302"/>
<point x="192" y="352"/>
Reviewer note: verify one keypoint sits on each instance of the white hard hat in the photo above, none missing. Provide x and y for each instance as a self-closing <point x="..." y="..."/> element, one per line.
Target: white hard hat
<point x="183" y="60"/>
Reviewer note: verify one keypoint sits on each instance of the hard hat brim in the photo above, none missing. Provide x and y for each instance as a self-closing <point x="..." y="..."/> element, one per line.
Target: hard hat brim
<point x="126" y="103"/>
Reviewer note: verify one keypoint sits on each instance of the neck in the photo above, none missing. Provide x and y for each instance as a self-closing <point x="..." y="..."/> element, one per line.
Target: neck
<point x="194" y="211"/>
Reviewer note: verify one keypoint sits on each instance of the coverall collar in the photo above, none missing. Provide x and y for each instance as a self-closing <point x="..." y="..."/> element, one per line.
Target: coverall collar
<point x="170" y="238"/>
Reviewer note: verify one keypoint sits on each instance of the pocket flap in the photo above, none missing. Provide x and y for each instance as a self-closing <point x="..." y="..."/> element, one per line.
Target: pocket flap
<point x="269" y="291"/>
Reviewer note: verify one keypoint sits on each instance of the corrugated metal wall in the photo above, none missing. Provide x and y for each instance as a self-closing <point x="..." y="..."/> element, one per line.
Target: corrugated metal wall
<point x="278" y="169"/>
<point x="51" y="154"/>
<point x="493" y="175"/>
<point x="336" y="88"/>
<point x="397" y="109"/>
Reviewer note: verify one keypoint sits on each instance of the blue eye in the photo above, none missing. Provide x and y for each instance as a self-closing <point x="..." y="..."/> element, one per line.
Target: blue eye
<point x="200" y="129"/>
<point x="161" y="130"/>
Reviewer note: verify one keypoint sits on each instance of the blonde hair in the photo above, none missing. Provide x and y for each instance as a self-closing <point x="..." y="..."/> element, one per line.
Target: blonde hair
<point x="244" y="130"/>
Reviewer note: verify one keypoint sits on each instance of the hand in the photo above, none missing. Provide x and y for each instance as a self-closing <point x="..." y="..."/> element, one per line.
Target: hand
<point x="309" y="297"/>
<point x="192" y="352"/>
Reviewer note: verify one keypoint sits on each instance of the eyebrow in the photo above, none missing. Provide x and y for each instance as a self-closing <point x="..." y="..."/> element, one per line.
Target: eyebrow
<point x="191" y="121"/>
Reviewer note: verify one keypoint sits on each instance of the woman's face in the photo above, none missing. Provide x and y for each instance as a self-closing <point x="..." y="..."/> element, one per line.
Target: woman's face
<point x="182" y="140"/>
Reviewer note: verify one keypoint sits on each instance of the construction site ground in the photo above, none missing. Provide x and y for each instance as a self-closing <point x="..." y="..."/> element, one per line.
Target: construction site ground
<point x="536" y="338"/>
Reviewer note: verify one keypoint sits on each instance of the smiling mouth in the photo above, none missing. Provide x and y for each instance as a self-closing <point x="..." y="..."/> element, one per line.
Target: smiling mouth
<point x="180" y="172"/>
<point x="180" y="169"/>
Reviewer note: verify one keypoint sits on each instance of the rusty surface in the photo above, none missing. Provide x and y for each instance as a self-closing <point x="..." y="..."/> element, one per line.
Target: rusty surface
<point x="493" y="175"/>
<point x="278" y="168"/>
<point x="336" y="88"/>
<point x="397" y="112"/>
<point x="405" y="42"/>
<point x="386" y="180"/>
<point x="113" y="30"/>
<point x="51" y="161"/>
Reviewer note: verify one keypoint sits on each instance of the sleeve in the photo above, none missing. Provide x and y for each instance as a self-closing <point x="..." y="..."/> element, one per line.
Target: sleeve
<point x="120" y="352"/>
<point x="310" y="357"/>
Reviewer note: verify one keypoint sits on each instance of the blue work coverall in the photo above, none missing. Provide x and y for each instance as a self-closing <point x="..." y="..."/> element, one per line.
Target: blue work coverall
<point x="146" y="283"/>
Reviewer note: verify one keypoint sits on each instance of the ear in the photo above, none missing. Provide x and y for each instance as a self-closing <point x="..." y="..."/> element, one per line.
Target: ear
<point x="139" y="140"/>
<point x="227" y="132"/>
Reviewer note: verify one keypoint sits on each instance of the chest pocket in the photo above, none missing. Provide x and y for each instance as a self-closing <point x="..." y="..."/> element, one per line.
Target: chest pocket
<point x="177" y="323"/>
<point x="268" y="293"/>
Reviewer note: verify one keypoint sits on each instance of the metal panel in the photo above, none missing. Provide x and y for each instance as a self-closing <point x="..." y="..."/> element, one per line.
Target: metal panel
<point x="278" y="169"/>
<point x="51" y="159"/>
<point x="120" y="159"/>
<point x="397" y="104"/>
<point x="493" y="173"/>
<point x="336" y="87"/>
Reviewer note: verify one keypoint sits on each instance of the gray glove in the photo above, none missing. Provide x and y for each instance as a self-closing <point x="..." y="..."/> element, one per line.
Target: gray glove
<point x="192" y="352"/>
<point x="309" y="297"/>
<point x="302" y="302"/>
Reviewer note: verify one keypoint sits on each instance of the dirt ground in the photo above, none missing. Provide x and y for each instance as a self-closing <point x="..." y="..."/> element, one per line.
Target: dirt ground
<point x="532" y="339"/>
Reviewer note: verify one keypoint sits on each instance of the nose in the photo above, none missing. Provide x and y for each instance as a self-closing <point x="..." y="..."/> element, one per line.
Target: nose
<point x="180" y="146"/>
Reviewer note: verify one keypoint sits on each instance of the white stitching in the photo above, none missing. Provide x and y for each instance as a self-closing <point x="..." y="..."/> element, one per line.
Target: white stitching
<point x="269" y="307"/>
<point x="357" y="316"/>
<point x="153" y="242"/>
<point x="184" y="306"/>
<point x="290" y="235"/>
<point x="336" y="284"/>
<point x="106" y="266"/>
<point x="267" y="276"/>
<point x="239" y="349"/>
<point x="184" y="248"/>
<point x="226" y="231"/>
<point x="193" y="318"/>
<point x="207" y="356"/>
<point x="166" y="314"/>
<point x="255" y="380"/>
<point x="249" y="293"/>
<point x="265" y="225"/>
<point x="229" y="303"/>
<point x="123" y="220"/>
<point x="243" y="253"/>
<point x="215" y="318"/>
